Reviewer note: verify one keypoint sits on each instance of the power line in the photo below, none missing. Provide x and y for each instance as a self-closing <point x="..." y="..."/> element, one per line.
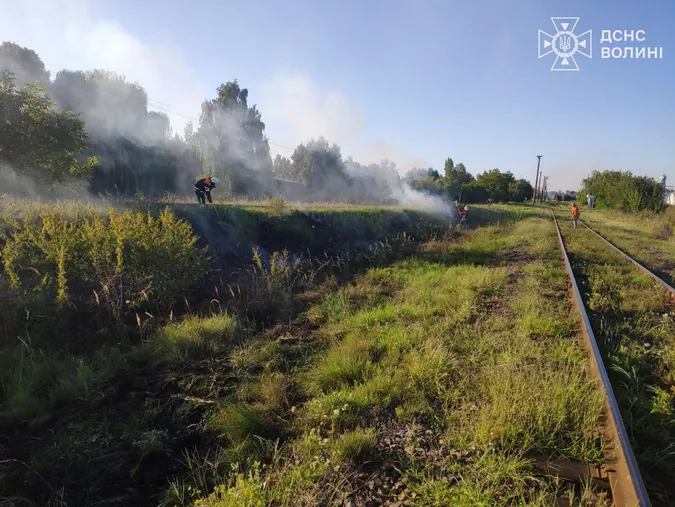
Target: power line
<point x="168" y="108"/>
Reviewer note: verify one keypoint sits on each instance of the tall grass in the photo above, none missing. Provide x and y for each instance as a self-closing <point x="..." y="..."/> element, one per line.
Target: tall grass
<point x="483" y="355"/>
<point x="632" y="317"/>
<point x="117" y="267"/>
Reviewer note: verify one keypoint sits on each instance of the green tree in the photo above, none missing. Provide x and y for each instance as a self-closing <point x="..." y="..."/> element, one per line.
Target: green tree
<point x="283" y="168"/>
<point x="520" y="190"/>
<point x="456" y="177"/>
<point x="416" y="174"/>
<point x="473" y="192"/>
<point x="137" y="150"/>
<point x="318" y="164"/>
<point x="35" y="139"/>
<point x="448" y="166"/>
<point x="497" y="184"/>
<point x="232" y="140"/>
<point x="23" y="63"/>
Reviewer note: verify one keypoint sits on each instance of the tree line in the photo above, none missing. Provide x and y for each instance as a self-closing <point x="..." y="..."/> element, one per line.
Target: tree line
<point x="458" y="184"/>
<point x="97" y="126"/>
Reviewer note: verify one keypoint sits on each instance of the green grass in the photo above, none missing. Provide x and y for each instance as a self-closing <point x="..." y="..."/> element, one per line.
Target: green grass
<point x="442" y="372"/>
<point x="34" y="383"/>
<point x="646" y="237"/>
<point x="632" y="317"/>
<point x="483" y="354"/>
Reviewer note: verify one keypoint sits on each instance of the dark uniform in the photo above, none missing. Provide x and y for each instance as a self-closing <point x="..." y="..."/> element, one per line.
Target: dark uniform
<point x="203" y="190"/>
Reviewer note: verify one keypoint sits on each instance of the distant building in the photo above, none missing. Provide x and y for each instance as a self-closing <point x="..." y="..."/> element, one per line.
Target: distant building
<point x="669" y="195"/>
<point x="291" y="190"/>
<point x="559" y="195"/>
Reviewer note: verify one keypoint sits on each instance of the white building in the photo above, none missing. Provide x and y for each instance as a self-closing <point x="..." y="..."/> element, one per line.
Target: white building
<point x="670" y="193"/>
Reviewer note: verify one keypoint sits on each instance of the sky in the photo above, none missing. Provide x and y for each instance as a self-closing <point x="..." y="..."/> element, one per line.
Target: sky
<point x="415" y="81"/>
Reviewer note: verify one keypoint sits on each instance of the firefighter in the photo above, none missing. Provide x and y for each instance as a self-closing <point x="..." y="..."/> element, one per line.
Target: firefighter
<point x="203" y="190"/>
<point x="463" y="212"/>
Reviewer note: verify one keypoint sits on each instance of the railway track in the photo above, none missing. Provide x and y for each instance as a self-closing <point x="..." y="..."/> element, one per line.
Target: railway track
<point x="625" y="479"/>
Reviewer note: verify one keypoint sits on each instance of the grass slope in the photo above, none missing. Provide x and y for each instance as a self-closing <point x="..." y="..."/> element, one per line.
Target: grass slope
<point x="432" y="380"/>
<point x="431" y="383"/>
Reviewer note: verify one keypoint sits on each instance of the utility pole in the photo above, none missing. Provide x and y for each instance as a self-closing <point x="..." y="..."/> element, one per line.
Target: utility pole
<point x="544" y="190"/>
<point x="542" y="187"/>
<point x="536" y="180"/>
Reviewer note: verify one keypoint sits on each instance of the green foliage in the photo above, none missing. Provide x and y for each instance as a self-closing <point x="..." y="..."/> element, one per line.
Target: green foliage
<point x="23" y="63"/>
<point x="503" y="186"/>
<point x="278" y="206"/>
<point x="135" y="146"/>
<point x="123" y="263"/>
<point x="415" y="175"/>
<point x="192" y="338"/>
<point x="456" y="177"/>
<point x="37" y="140"/>
<point x="317" y="161"/>
<point x="458" y="184"/>
<point x="520" y="190"/>
<point x="272" y="285"/>
<point x="448" y="167"/>
<point x="623" y="191"/>
<point x="231" y="140"/>
<point x="283" y="168"/>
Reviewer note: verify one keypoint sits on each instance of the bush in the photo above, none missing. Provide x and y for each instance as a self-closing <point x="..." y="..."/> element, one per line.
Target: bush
<point x="128" y="263"/>
<point x="278" y="206"/>
<point x="624" y="191"/>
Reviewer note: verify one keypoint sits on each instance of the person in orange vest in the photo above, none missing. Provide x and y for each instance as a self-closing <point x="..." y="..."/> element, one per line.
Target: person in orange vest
<point x="575" y="214"/>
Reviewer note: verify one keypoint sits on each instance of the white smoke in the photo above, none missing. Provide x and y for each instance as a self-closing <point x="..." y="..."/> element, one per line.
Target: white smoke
<point x="409" y="197"/>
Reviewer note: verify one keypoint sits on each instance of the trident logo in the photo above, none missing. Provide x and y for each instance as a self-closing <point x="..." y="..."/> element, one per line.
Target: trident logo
<point x="565" y="44"/>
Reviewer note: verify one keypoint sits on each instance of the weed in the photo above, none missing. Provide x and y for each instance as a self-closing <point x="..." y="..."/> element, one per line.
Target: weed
<point x="353" y="446"/>
<point x="277" y="206"/>
<point x="237" y="422"/>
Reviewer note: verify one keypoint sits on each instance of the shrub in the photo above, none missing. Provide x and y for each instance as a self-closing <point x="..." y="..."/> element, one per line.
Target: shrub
<point x="127" y="263"/>
<point x="278" y="206"/>
<point x="624" y="191"/>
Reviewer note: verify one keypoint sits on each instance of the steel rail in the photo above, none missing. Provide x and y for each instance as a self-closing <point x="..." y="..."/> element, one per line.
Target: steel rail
<point x="628" y="257"/>
<point x="626" y="482"/>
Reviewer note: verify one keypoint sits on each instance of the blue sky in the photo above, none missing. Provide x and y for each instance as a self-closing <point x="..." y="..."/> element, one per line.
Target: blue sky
<point x="415" y="80"/>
